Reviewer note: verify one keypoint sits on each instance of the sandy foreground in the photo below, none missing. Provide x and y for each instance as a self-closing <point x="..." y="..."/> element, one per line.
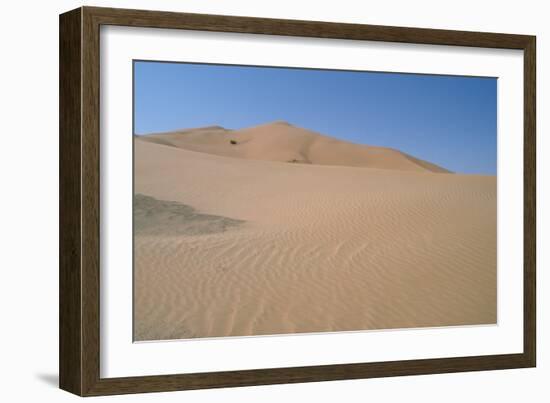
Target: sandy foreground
<point x="230" y="244"/>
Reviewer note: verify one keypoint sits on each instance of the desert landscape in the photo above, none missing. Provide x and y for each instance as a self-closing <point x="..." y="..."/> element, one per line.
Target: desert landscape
<point x="277" y="229"/>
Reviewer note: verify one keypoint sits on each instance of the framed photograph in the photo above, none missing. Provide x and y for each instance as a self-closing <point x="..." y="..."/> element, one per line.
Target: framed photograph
<point x="248" y="201"/>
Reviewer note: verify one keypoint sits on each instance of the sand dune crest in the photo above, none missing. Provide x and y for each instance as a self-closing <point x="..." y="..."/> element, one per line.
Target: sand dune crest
<point x="283" y="142"/>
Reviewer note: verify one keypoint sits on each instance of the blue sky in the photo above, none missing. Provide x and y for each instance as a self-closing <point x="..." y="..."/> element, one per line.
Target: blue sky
<point x="448" y="120"/>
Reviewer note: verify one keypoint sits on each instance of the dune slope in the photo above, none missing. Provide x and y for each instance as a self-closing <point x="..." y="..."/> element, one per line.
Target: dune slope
<point x="266" y="247"/>
<point x="281" y="141"/>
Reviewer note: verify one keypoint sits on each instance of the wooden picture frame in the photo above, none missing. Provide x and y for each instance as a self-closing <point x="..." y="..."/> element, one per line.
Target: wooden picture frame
<point x="79" y="201"/>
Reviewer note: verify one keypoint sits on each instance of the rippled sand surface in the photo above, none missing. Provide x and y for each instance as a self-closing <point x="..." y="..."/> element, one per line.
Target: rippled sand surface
<point x="231" y="246"/>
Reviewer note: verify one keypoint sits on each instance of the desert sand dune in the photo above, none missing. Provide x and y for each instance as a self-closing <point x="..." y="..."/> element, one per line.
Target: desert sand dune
<point x="270" y="247"/>
<point x="281" y="141"/>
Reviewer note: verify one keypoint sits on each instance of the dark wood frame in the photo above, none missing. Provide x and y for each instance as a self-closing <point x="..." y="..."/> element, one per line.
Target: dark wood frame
<point x="79" y="201"/>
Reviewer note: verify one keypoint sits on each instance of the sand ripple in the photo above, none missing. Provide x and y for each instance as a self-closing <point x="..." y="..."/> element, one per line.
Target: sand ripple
<point x="314" y="248"/>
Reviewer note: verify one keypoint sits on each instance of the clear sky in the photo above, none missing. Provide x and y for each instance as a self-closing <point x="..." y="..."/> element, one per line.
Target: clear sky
<point x="448" y="120"/>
